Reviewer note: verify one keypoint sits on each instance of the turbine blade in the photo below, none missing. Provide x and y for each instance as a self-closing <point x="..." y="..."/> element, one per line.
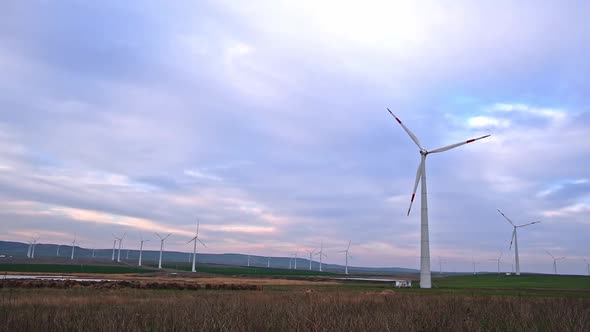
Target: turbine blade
<point x="419" y="173"/>
<point x="512" y="240"/>
<point x="548" y="253"/>
<point x="412" y="136"/>
<point x="191" y="240"/>
<point x="560" y="258"/>
<point x="203" y="243"/>
<point x="349" y="242"/>
<point x="452" y="146"/>
<point x="510" y="221"/>
<point x="531" y="223"/>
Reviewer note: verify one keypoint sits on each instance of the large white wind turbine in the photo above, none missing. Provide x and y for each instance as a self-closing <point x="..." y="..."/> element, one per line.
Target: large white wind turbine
<point x="347" y="255"/>
<point x="141" y="248"/>
<point x="195" y="239"/>
<point x="554" y="261"/>
<point x="311" y="253"/>
<point x="497" y="260"/>
<point x="425" y="278"/>
<point x="321" y="253"/>
<point x="162" y="238"/>
<point x="515" y="240"/>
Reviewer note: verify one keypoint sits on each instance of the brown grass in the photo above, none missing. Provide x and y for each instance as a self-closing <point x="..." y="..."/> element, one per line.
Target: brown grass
<point x="86" y="309"/>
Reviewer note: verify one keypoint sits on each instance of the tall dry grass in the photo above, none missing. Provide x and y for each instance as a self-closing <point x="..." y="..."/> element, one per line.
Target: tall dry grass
<point x="151" y="310"/>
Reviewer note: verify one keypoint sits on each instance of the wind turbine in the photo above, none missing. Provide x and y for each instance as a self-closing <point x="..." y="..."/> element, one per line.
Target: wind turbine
<point x="120" y="239"/>
<point x="268" y="263"/>
<point x="295" y="258"/>
<point x="497" y="260"/>
<point x="311" y="253"/>
<point x="114" y="245"/>
<point x="30" y="249"/>
<point x="321" y="253"/>
<point x="161" y="247"/>
<point x="554" y="261"/>
<point x="474" y="263"/>
<point x="195" y="239"/>
<point x="248" y="260"/>
<point x="587" y="266"/>
<point x="73" y="247"/>
<point x="515" y="240"/>
<point x="33" y="245"/>
<point x="57" y="254"/>
<point x="347" y="255"/>
<point x="425" y="277"/>
<point x="141" y="248"/>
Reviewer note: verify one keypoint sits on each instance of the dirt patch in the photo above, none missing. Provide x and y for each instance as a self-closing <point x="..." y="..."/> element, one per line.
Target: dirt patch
<point x="120" y="284"/>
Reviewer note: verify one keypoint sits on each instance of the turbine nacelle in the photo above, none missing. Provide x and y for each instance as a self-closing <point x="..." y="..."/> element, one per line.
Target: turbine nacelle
<point x="423" y="152"/>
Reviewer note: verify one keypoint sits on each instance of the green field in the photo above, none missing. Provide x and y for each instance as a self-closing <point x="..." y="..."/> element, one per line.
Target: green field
<point x="529" y="281"/>
<point x="247" y="271"/>
<point x="54" y="268"/>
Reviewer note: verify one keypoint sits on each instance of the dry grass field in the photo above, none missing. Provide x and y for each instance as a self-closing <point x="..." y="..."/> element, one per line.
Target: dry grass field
<point x="87" y="309"/>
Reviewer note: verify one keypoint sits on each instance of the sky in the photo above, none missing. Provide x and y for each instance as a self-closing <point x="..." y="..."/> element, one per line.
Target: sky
<point x="267" y="122"/>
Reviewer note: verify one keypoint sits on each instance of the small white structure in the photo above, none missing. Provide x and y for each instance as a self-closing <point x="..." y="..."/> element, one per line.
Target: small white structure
<point x="403" y="283"/>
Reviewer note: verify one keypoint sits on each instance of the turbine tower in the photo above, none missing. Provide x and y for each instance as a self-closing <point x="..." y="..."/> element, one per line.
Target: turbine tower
<point x="347" y="255"/>
<point x="321" y="253"/>
<point x="30" y="249"/>
<point x="268" y="263"/>
<point x="587" y="266"/>
<point x="515" y="240"/>
<point x="120" y="239"/>
<point x="141" y="248"/>
<point x="114" y="246"/>
<point x="554" y="261"/>
<point x="73" y="247"/>
<point x="57" y="254"/>
<point x="195" y="239"/>
<point x="295" y="257"/>
<point x="497" y="260"/>
<point x="162" y="238"/>
<point x="311" y="253"/>
<point x="425" y="277"/>
<point x="33" y="245"/>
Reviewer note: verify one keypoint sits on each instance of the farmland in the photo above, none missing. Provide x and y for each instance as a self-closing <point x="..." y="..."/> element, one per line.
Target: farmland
<point x="337" y="310"/>
<point x="221" y="298"/>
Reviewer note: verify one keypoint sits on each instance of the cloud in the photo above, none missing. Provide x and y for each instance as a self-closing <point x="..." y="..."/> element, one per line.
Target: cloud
<point x="274" y="133"/>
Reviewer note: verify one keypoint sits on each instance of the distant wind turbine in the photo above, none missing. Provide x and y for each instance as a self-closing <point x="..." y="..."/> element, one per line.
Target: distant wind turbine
<point x="114" y="246"/>
<point x="141" y="248"/>
<point x="497" y="260"/>
<point x="30" y="249"/>
<point x="515" y="240"/>
<point x="120" y="239"/>
<point x="587" y="266"/>
<point x="57" y="254"/>
<point x="73" y="247"/>
<point x="474" y="263"/>
<point x="268" y="263"/>
<point x="311" y="253"/>
<point x="321" y="253"/>
<point x="34" y="245"/>
<point x="195" y="239"/>
<point x="554" y="261"/>
<point x="248" y="260"/>
<point x="162" y="238"/>
<point x="425" y="275"/>
<point x="347" y="255"/>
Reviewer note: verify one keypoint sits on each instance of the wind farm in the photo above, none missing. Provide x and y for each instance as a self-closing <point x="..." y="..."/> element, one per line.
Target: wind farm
<point x="200" y="165"/>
